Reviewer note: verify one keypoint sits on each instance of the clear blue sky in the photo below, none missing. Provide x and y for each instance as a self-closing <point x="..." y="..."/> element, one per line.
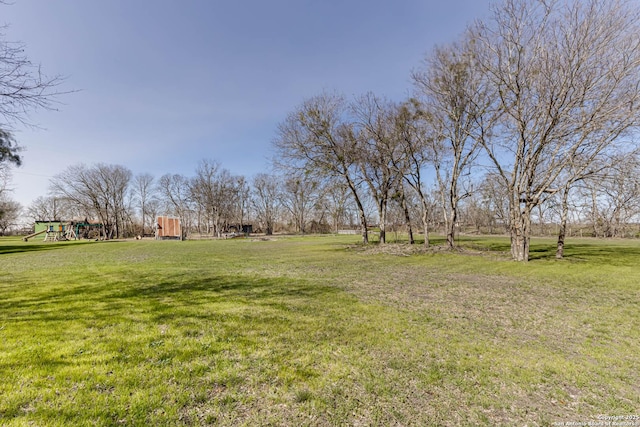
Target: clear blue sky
<point x="163" y="84"/>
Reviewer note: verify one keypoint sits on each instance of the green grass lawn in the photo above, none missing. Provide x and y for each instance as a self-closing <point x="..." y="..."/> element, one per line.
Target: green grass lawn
<point x="316" y="331"/>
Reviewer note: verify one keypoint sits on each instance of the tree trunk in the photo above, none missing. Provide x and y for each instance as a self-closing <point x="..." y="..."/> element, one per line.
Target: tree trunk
<point x="144" y="217"/>
<point x="425" y="220"/>
<point x="363" y="223"/>
<point x="382" y="212"/>
<point x="451" y="227"/>
<point x="520" y="232"/>
<point x="445" y="216"/>
<point x="564" y="213"/>
<point x="541" y="220"/>
<point x="407" y="218"/>
<point x="361" y="212"/>
<point x="453" y="213"/>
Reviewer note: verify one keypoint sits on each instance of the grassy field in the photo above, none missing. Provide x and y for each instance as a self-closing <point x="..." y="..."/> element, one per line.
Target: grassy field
<point x="316" y="331"/>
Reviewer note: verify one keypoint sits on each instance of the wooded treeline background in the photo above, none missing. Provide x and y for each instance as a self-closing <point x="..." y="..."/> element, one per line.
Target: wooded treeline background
<point x="524" y="125"/>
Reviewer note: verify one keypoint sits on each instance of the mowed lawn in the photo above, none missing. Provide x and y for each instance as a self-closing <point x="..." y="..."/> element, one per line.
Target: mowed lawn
<point x="316" y="331"/>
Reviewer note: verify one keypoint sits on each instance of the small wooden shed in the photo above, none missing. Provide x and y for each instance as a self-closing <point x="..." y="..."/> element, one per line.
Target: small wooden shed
<point x="168" y="228"/>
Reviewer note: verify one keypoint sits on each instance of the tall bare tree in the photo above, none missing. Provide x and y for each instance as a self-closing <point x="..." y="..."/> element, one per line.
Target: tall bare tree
<point x="219" y="196"/>
<point x="267" y="200"/>
<point x="317" y="138"/>
<point x="206" y="192"/>
<point x="143" y="188"/>
<point x="401" y="197"/>
<point x="567" y="79"/>
<point x="456" y="101"/>
<point x="378" y="153"/>
<point x="241" y="201"/>
<point x="415" y="138"/>
<point x="578" y="171"/>
<point x="230" y="199"/>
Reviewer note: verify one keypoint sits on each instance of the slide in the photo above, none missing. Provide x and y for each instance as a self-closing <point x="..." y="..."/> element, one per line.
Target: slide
<point x="25" y="238"/>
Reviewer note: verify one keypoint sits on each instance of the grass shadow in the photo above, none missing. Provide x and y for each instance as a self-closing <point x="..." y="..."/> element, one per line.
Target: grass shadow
<point x="164" y="296"/>
<point x="599" y="253"/>
<point x="37" y="247"/>
<point x="596" y="251"/>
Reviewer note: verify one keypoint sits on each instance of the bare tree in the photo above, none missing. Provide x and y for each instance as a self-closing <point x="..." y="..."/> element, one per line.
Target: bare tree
<point x="578" y="171"/>
<point x="9" y="213"/>
<point x="566" y="76"/>
<point x="42" y="209"/>
<point x="219" y="196"/>
<point x="336" y="200"/>
<point x="23" y="88"/>
<point x="229" y="198"/>
<point x="114" y="181"/>
<point x="318" y="139"/>
<point x="616" y="195"/>
<point x="101" y="191"/>
<point x="415" y="138"/>
<point x="495" y="199"/>
<point x="175" y="192"/>
<point x="401" y="197"/>
<point x="266" y="200"/>
<point x="205" y="191"/>
<point x="456" y="99"/>
<point x="299" y="197"/>
<point x="241" y="200"/>
<point x="145" y="197"/>
<point x="379" y="154"/>
<point x="53" y="208"/>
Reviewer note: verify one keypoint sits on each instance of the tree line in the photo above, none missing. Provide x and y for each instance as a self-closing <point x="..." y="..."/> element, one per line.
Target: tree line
<point x="538" y="103"/>
<point x="528" y="118"/>
<point x="211" y="202"/>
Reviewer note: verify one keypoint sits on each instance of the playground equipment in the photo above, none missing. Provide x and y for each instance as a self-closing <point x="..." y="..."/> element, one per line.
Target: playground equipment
<point x="55" y="231"/>
<point x="26" y="238"/>
<point x="64" y="232"/>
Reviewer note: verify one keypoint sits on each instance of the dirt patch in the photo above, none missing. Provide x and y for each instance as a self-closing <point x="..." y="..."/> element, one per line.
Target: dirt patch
<point x="403" y="249"/>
